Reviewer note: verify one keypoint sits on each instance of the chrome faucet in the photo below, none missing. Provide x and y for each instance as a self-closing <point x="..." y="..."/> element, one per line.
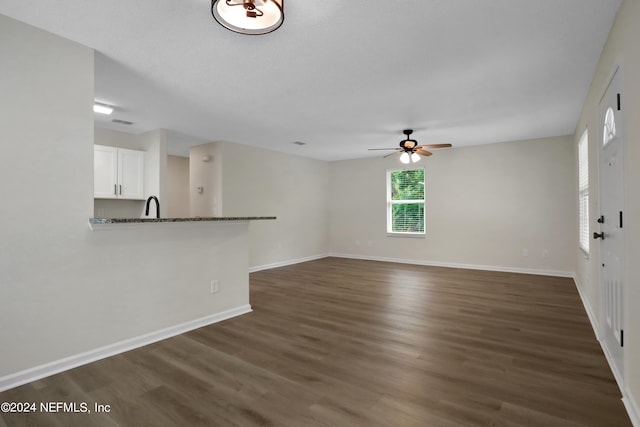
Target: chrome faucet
<point x="146" y="212"/>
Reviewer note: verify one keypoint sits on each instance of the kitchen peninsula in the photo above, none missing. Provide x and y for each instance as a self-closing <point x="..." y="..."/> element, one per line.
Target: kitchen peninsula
<point x="149" y="279"/>
<point x="96" y="223"/>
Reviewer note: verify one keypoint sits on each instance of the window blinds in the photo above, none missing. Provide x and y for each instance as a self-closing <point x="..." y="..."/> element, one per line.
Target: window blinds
<point x="405" y="200"/>
<point x="583" y="191"/>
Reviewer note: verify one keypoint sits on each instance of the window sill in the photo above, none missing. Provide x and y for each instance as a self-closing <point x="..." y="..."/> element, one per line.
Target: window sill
<point x="585" y="254"/>
<point x="412" y="235"/>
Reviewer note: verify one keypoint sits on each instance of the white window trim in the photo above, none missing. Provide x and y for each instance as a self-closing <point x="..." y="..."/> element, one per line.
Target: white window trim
<point x="389" y="203"/>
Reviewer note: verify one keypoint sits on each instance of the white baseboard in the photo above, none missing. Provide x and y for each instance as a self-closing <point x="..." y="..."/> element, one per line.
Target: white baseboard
<point x="42" y="371"/>
<point x="556" y="273"/>
<point x="285" y="263"/>
<point x="632" y="409"/>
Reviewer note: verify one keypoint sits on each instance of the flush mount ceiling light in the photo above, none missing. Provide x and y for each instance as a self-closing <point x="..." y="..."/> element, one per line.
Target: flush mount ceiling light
<point x="248" y="16"/>
<point x="102" y="108"/>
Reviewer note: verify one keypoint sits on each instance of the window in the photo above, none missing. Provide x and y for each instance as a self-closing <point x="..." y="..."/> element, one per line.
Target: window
<point x="583" y="191"/>
<point x="405" y="202"/>
<point x="609" y="126"/>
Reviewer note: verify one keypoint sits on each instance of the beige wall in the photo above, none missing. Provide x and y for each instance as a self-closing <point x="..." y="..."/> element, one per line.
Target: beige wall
<point x="154" y="144"/>
<point x="485" y="205"/>
<point x="114" y="138"/>
<point x="205" y="180"/>
<point x="622" y="50"/>
<point x="292" y="188"/>
<point x="66" y="290"/>
<point x="177" y="187"/>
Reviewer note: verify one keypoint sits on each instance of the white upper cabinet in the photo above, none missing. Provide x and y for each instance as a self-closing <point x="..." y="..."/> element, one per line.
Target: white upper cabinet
<point x="105" y="172"/>
<point x="118" y="173"/>
<point x="130" y="174"/>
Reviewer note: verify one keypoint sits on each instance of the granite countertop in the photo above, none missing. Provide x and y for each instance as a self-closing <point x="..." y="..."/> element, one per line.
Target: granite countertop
<point x="95" y="221"/>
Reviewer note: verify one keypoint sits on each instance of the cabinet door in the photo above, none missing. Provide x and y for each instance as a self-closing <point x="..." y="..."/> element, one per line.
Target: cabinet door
<point x="105" y="172"/>
<point x="130" y="174"/>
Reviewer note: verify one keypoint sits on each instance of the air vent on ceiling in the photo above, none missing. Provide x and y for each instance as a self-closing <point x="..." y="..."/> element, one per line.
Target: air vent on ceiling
<point x="122" y="122"/>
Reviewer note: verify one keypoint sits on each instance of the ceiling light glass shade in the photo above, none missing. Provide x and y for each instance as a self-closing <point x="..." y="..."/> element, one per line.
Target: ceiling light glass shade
<point x="102" y="109"/>
<point x="415" y="157"/>
<point x="405" y="158"/>
<point x="249" y="16"/>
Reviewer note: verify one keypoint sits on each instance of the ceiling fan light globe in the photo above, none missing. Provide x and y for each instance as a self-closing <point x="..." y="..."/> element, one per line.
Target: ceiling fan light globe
<point x="405" y="158"/>
<point x="415" y="157"/>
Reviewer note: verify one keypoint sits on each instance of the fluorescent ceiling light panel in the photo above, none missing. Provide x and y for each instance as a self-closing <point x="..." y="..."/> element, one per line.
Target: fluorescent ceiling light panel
<point x="102" y="109"/>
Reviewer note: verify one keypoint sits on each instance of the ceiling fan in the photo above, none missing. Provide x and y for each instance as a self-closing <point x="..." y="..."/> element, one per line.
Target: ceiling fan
<point x="410" y="149"/>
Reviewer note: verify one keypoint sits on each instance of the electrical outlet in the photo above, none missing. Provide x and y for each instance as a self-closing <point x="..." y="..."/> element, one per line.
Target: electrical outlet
<point x="525" y="252"/>
<point x="214" y="286"/>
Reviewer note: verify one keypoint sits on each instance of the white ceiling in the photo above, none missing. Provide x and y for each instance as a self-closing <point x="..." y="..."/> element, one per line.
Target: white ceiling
<point x="341" y="76"/>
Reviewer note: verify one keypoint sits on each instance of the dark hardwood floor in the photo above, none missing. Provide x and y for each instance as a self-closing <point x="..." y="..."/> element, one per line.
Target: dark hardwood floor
<point x="339" y="342"/>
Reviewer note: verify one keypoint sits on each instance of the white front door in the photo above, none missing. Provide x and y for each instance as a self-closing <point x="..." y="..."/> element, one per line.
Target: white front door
<point x="611" y="221"/>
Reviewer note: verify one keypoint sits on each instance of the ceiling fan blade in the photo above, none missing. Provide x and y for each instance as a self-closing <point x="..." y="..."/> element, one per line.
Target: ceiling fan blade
<point x="423" y="152"/>
<point x="435" y="146"/>
<point x="390" y="154"/>
<point x="373" y="149"/>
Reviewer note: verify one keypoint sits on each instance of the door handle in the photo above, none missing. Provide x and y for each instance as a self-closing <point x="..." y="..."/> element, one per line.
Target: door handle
<point x="598" y="235"/>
